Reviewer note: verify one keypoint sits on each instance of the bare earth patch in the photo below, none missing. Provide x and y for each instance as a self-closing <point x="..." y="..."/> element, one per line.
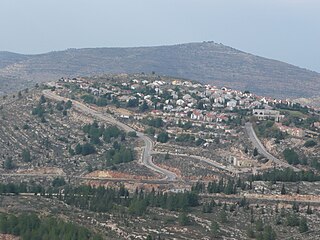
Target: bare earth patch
<point x="43" y="170"/>
<point x="8" y="237"/>
<point x="112" y="174"/>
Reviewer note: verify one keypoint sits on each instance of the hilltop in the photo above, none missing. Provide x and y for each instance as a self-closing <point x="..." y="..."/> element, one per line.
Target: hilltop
<point x="207" y="62"/>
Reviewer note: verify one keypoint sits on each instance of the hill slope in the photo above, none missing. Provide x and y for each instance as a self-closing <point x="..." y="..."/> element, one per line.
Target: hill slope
<point x="206" y="62"/>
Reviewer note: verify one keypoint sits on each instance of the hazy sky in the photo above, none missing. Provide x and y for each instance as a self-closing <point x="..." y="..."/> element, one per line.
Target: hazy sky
<point x="287" y="30"/>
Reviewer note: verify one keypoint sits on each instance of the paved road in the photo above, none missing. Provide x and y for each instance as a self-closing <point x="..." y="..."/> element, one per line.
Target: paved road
<point x="261" y="149"/>
<point x="146" y="155"/>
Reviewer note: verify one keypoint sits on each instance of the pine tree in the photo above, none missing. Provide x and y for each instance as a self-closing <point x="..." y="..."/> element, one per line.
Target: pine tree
<point x="255" y="152"/>
<point x="283" y="190"/>
<point x="303" y="226"/>
<point x="223" y="216"/>
<point x="259" y="225"/>
<point x="26" y="156"/>
<point x="309" y="210"/>
<point x="215" y="228"/>
<point x="183" y="219"/>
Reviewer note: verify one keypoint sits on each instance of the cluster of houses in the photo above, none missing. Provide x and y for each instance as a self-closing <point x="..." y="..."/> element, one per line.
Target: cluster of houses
<point x="178" y="100"/>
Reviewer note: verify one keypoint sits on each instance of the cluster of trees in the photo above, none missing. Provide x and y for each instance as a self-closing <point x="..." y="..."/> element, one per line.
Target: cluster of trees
<point x="163" y="137"/>
<point x="185" y="138"/>
<point x="286" y="175"/>
<point x="96" y="132"/>
<point x="63" y="106"/>
<point x="99" y="101"/>
<point x="226" y="186"/>
<point x="153" y="122"/>
<point x="293" y="107"/>
<point x="103" y="199"/>
<point x="83" y="149"/>
<point x="144" y="106"/>
<point x="150" y="131"/>
<point x="119" y="154"/>
<point x="185" y="126"/>
<point x="133" y="102"/>
<point x="16" y="189"/>
<point x="267" y="129"/>
<point x="222" y="186"/>
<point x="189" y="139"/>
<point x="310" y="143"/>
<point x="58" y="182"/>
<point x="315" y="164"/>
<point x="293" y="220"/>
<point x="291" y="156"/>
<point x="299" y="117"/>
<point x="11" y="188"/>
<point x="262" y="232"/>
<point x="132" y="134"/>
<point x="39" y="110"/>
<point x="30" y="226"/>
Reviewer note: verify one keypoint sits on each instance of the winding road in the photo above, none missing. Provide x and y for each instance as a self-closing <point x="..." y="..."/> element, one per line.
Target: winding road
<point x="262" y="150"/>
<point x="146" y="158"/>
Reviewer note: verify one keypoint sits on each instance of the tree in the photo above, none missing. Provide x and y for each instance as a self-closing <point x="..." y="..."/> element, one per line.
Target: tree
<point x="78" y="149"/>
<point x="291" y="156"/>
<point x="150" y="131"/>
<point x="215" y="228"/>
<point x="58" y="182"/>
<point x="183" y="219"/>
<point x="26" y="156"/>
<point x="223" y="216"/>
<point x="310" y="143"/>
<point x="309" y="210"/>
<point x="283" y="190"/>
<point x="163" y="137"/>
<point x="246" y="150"/>
<point x="250" y="232"/>
<point x="59" y="106"/>
<point x="255" y="152"/>
<point x="42" y="99"/>
<point x="293" y="220"/>
<point x="134" y="102"/>
<point x="295" y="207"/>
<point x="8" y="164"/>
<point x="87" y="149"/>
<point x="303" y="226"/>
<point x="101" y="102"/>
<point x="269" y="233"/>
<point x="259" y="225"/>
<point x="132" y="134"/>
<point x="144" y="106"/>
<point x="68" y="104"/>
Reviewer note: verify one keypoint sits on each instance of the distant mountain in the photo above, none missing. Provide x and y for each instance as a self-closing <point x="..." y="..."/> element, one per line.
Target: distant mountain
<point x="206" y="62"/>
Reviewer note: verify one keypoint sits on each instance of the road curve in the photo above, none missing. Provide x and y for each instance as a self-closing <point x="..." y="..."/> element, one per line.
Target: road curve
<point x="262" y="150"/>
<point x="207" y="160"/>
<point x="146" y="155"/>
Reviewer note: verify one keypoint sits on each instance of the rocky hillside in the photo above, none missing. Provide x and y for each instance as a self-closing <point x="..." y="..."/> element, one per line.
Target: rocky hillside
<point x="206" y="62"/>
